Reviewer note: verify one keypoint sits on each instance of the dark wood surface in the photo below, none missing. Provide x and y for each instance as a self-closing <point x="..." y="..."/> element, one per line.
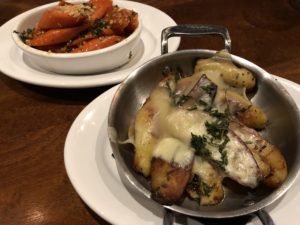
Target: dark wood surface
<point x="34" y="121"/>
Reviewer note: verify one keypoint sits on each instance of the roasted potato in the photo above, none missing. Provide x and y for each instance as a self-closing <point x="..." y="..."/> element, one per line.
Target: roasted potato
<point x="230" y="73"/>
<point x="170" y="170"/>
<point x="246" y="112"/>
<point x="195" y="131"/>
<point x="146" y="129"/>
<point x="206" y="183"/>
<point x="269" y="158"/>
<point x="168" y="181"/>
<point x="144" y="139"/>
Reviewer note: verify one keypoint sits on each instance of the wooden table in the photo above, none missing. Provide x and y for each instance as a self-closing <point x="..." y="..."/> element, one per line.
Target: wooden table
<point x="34" y="121"/>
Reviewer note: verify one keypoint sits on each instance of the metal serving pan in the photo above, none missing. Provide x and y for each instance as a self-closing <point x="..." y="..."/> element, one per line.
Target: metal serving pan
<point x="283" y="131"/>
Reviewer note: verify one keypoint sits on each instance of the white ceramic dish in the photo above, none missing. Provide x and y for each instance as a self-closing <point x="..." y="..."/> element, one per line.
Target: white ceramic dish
<point x="93" y="173"/>
<point x="16" y="65"/>
<point x="76" y="63"/>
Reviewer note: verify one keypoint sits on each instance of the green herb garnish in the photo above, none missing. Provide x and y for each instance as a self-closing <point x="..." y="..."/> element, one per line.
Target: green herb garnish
<point x="205" y="189"/>
<point x="217" y="129"/>
<point x="99" y="26"/>
<point x="26" y="34"/>
<point x="209" y="89"/>
<point x="199" y="144"/>
<point x="217" y="137"/>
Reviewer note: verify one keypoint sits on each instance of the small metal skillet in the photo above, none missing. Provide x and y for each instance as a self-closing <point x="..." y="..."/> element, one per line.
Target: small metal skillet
<point x="283" y="131"/>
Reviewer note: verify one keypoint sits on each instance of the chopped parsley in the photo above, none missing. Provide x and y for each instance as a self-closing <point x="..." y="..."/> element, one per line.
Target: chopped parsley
<point x="199" y="144"/>
<point x="133" y="14"/>
<point x="205" y="189"/>
<point x="217" y="137"/>
<point x="199" y="186"/>
<point x="209" y="89"/>
<point x="26" y="34"/>
<point x="177" y="73"/>
<point x="99" y="26"/>
<point x="180" y="99"/>
<point x="217" y="129"/>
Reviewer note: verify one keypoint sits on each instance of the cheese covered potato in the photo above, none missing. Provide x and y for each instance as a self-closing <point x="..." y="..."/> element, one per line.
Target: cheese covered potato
<point x="194" y="131"/>
<point x="230" y="73"/>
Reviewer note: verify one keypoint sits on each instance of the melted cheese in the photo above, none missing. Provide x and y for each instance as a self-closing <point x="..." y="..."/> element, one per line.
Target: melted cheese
<point x="216" y="78"/>
<point x="180" y="123"/>
<point x="172" y="126"/>
<point x="241" y="166"/>
<point x="204" y="169"/>
<point x="147" y="130"/>
<point x="173" y="150"/>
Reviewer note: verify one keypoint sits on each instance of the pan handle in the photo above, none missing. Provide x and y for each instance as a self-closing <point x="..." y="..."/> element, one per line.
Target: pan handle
<point x="168" y="217"/>
<point x="193" y="30"/>
<point x="264" y="217"/>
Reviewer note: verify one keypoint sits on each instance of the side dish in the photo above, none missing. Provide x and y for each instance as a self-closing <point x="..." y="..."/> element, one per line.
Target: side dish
<point x="81" y="27"/>
<point x="195" y="130"/>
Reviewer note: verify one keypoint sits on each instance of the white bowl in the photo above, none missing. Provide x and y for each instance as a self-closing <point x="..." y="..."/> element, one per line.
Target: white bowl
<point x="76" y="63"/>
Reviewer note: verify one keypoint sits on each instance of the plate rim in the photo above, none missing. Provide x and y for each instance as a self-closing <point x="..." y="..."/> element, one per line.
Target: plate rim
<point x="283" y="81"/>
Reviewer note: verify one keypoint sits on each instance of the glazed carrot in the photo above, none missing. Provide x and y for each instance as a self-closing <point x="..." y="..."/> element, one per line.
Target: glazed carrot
<point x="79" y="40"/>
<point x="98" y="43"/>
<point x="122" y="21"/>
<point x="59" y="48"/>
<point x="89" y="36"/>
<point x="107" y="31"/>
<point x="55" y="18"/>
<point x="133" y="24"/>
<point x="56" y="36"/>
<point x="118" y="19"/>
<point x="101" y="7"/>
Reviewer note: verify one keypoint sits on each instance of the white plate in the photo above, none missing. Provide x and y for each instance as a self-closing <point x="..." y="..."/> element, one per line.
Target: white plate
<point x="14" y="64"/>
<point x="93" y="173"/>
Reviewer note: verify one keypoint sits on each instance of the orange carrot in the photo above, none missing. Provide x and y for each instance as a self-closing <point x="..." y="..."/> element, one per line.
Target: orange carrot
<point x="122" y="21"/>
<point x="54" y="18"/>
<point x="134" y="22"/>
<point x="89" y="36"/>
<point x="118" y="19"/>
<point x="107" y="31"/>
<point x="79" y="40"/>
<point x="101" y="8"/>
<point x="98" y="43"/>
<point x="59" y="48"/>
<point x="56" y="36"/>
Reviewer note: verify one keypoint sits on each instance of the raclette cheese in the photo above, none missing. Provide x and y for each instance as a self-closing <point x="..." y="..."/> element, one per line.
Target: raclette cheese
<point x="185" y="130"/>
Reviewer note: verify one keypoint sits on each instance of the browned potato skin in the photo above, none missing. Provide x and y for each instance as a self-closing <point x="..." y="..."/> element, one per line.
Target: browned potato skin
<point x="215" y="196"/>
<point x="168" y="181"/>
<point x="242" y="78"/>
<point x="253" y="117"/>
<point x="246" y="112"/>
<point x="273" y="157"/>
<point x="263" y="166"/>
<point x="271" y="161"/>
<point x="144" y="141"/>
<point x="231" y="74"/>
